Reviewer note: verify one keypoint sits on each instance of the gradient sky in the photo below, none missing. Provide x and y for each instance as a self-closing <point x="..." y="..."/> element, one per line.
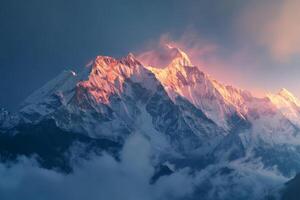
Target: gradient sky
<point x="251" y="44"/>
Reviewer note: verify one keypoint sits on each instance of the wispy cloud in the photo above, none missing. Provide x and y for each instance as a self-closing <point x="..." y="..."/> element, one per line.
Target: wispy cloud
<point x="275" y="26"/>
<point x="214" y="59"/>
<point x="197" y="48"/>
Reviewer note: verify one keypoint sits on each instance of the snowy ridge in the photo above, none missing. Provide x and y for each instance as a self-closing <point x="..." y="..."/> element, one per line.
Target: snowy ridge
<point x="95" y="89"/>
<point x="61" y="89"/>
<point x="219" y="102"/>
<point x="288" y="104"/>
<point x="108" y="75"/>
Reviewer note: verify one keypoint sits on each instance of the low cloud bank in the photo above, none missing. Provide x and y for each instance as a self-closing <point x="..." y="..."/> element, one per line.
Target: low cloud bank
<point x="101" y="177"/>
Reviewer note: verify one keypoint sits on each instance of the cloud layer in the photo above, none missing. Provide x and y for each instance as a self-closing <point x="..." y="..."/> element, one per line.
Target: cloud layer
<point x="99" y="178"/>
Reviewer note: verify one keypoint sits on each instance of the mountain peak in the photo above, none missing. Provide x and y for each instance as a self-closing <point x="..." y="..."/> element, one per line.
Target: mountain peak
<point x="108" y="75"/>
<point x="109" y="62"/>
<point x="130" y="56"/>
<point x="284" y="92"/>
<point x="287" y="104"/>
<point x="166" y="55"/>
<point x="287" y="95"/>
<point x="130" y="60"/>
<point x="178" y="57"/>
<point x="104" y="61"/>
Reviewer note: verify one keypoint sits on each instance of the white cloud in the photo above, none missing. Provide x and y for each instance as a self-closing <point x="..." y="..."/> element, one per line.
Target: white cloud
<point x="99" y="178"/>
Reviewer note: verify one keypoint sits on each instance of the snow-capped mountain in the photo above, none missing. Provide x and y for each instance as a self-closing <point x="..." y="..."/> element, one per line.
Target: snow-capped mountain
<point x="83" y="102"/>
<point x="190" y="119"/>
<point x="112" y="98"/>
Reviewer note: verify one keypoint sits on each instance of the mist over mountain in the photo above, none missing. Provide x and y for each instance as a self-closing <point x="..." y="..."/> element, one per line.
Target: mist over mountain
<point x="128" y="128"/>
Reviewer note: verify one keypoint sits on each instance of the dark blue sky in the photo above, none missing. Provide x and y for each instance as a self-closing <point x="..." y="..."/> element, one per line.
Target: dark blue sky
<point x="39" y="38"/>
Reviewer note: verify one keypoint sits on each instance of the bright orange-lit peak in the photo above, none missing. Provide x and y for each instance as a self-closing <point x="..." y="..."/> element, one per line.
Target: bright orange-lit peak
<point x="130" y="60"/>
<point x="107" y="61"/>
<point x="107" y="76"/>
<point x="178" y="61"/>
<point x="165" y="55"/>
<point x="287" y="95"/>
<point x="178" y="56"/>
<point x="283" y="98"/>
<point x="102" y="61"/>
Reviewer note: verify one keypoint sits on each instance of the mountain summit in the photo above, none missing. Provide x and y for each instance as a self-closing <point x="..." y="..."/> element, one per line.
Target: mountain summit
<point x="165" y="55"/>
<point x="288" y="104"/>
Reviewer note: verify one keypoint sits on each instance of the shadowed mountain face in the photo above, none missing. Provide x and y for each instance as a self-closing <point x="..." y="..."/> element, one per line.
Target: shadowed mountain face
<point x="51" y="145"/>
<point x="227" y="137"/>
<point x="291" y="189"/>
